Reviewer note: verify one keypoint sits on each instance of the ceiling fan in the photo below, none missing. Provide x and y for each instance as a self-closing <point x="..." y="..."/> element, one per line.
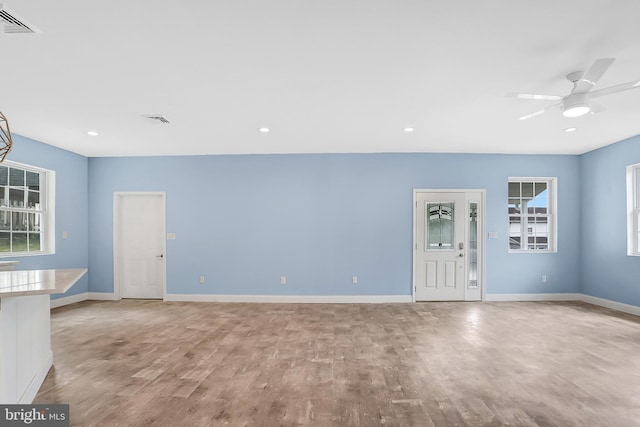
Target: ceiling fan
<point x="577" y="103"/>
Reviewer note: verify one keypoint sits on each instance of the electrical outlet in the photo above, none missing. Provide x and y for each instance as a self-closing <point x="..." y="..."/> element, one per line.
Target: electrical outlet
<point x="201" y="279"/>
<point x="354" y="280"/>
<point x="283" y="280"/>
<point x="544" y="278"/>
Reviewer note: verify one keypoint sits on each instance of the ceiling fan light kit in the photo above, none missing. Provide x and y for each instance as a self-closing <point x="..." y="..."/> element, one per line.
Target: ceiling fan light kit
<point x="576" y="103"/>
<point x="6" y="141"/>
<point x="576" y="110"/>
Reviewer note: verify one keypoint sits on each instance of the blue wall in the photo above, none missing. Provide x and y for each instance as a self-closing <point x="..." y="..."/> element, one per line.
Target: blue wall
<point x="71" y="207"/>
<point x="244" y="221"/>
<point x="607" y="271"/>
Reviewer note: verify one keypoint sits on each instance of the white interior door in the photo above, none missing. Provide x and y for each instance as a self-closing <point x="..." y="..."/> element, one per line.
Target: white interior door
<point x="447" y="257"/>
<point x="139" y="244"/>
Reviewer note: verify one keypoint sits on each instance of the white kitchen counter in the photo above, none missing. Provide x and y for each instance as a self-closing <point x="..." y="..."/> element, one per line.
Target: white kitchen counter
<point x="8" y="265"/>
<point x="38" y="282"/>
<point x="25" y="329"/>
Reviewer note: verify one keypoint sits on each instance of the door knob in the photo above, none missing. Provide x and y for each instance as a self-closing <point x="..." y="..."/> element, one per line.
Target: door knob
<point x="460" y="255"/>
<point x="160" y="256"/>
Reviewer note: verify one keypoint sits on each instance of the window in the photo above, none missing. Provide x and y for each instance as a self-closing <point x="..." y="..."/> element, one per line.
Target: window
<point x="532" y="214"/>
<point x="473" y="246"/>
<point x="633" y="210"/>
<point x="26" y="210"/>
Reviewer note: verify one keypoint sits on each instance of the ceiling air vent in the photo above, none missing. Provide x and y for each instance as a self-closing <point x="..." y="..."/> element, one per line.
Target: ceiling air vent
<point x="159" y="118"/>
<point x="13" y="25"/>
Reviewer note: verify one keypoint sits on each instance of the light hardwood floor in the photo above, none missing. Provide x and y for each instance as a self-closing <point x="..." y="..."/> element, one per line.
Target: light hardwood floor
<point x="539" y="364"/>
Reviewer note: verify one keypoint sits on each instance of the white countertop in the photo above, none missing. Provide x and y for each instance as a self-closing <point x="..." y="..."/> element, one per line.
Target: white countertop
<point x="38" y="282"/>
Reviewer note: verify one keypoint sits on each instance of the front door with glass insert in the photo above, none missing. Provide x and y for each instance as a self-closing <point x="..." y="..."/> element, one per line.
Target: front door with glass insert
<point x="446" y="262"/>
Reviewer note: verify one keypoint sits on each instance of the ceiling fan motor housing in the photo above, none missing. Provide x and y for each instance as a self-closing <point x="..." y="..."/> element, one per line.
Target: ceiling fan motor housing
<point x="575" y="76"/>
<point x="575" y="105"/>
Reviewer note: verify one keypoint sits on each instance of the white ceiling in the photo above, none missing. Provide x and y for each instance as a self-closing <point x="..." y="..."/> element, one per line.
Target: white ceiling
<point x="325" y="76"/>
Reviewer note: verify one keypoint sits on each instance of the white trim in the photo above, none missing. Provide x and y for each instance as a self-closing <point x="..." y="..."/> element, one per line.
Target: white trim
<point x="534" y="297"/>
<point x="50" y="230"/>
<point x="613" y="305"/>
<point x="352" y="299"/>
<point x="36" y="382"/>
<point x="101" y="296"/>
<point x="84" y="296"/>
<point x="71" y="299"/>
<point x="448" y="190"/>
<point x="633" y="209"/>
<point x="117" y="196"/>
<point x="300" y="299"/>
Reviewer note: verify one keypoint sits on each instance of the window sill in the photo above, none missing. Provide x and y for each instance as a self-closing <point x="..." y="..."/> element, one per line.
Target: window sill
<point x="532" y="251"/>
<point x="23" y="254"/>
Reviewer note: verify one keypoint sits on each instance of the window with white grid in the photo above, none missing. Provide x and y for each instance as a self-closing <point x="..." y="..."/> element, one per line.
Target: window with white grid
<point x="532" y="214"/>
<point x="26" y="215"/>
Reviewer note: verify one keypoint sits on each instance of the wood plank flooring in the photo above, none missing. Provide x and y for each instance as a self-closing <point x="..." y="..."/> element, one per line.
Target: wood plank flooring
<point x="139" y="363"/>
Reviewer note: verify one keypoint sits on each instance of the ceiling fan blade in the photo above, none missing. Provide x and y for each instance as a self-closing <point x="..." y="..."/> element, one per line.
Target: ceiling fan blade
<point x="537" y="113"/>
<point x="593" y="74"/>
<point x="535" y="96"/>
<point x="613" y="89"/>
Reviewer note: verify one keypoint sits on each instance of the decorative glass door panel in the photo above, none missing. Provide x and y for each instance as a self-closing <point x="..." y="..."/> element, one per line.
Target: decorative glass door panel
<point x="472" y="268"/>
<point x="439" y="226"/>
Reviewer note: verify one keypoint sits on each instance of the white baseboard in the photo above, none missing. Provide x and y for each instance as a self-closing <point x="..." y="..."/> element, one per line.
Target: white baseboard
<point x="102" y="296"/>
<point x="59" y="302"/>
<point x="35" y="384"/>
<point x="304" y="299"/>
<point x="97" y="296"/>
<point x="614" y="305"/>
<point x="533" y="297"/>
<point x="322" y="299"/>
<point x="351" y="299"/>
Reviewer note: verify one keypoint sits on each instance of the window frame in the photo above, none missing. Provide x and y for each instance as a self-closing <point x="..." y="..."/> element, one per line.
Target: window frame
<point x="47" y="201"/>
<point x="552" y="215"/>
<point x="633" y="210"/>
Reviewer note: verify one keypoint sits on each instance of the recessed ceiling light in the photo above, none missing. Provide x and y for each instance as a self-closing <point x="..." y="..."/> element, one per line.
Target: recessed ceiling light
<point x="264" y="130"/>
<point x="92" y="133"/>
<point x="408" y="129"/>
<point x="571" y="129"/>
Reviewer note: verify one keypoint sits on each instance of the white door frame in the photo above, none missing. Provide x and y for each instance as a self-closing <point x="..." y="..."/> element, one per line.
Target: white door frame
<point x="481" y="235"/>
<point x="117" y="198"/>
